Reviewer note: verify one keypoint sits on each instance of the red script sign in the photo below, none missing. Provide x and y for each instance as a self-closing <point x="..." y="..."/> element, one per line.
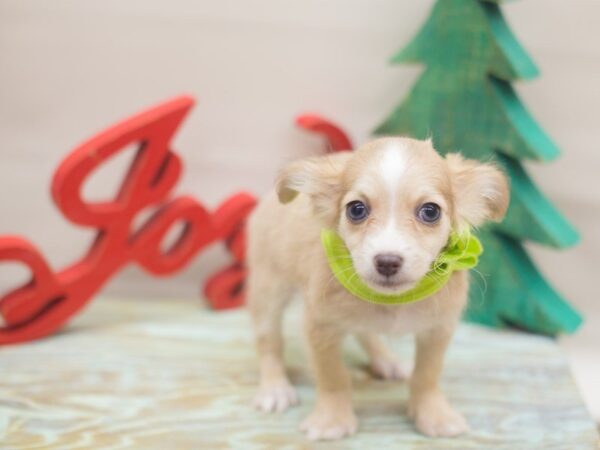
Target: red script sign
<point x="51" y="298"/>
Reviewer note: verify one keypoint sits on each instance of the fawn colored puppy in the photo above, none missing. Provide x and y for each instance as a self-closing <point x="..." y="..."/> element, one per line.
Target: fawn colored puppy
<point x="394" y="203"/>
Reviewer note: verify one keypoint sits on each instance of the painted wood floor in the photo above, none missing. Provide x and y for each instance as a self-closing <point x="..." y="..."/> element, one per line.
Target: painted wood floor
<point x="170" y="375"/>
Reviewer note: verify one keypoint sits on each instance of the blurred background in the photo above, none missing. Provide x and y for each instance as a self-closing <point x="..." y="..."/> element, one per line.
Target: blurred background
<point x="68" y="69"/>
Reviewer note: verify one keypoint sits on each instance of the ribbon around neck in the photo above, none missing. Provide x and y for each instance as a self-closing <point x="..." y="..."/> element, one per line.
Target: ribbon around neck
<point x="460" y="253"/>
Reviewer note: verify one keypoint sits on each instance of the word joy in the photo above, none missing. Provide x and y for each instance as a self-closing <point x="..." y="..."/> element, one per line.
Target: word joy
<point x="51" y="298"/>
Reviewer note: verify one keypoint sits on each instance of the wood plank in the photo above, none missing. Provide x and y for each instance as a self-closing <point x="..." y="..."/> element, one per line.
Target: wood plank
<point x="168" y="374"/>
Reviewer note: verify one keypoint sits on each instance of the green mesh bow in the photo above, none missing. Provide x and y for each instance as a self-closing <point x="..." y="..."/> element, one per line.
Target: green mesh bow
<point x="461" y="253"/>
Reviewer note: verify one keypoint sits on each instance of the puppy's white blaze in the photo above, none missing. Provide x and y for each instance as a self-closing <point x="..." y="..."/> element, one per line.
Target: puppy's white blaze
<point x="391" y="167"/>
<point x="387" y="240"/>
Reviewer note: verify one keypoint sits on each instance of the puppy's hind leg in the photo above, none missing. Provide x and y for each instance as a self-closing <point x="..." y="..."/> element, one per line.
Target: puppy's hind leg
<point x="383" y="362"/>
<point x="267" y="297"/>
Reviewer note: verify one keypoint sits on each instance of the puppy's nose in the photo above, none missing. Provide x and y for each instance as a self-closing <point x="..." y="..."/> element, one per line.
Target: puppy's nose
<point x="388" y="264"/>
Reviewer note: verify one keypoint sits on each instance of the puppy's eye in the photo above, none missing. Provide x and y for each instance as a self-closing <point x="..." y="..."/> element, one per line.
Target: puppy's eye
<point x="356" y="211"/>
<point x="429" y="213"/>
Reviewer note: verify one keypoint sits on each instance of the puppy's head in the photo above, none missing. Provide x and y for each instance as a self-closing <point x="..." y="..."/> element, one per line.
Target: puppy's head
<point x="394" y="203"/>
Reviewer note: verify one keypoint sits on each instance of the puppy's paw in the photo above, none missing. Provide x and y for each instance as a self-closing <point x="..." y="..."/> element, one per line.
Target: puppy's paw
<point x="325" y="424"/>
<point x="276" y="397"/>
<point x="434" y="417"/>
<point x="389" y="368"/>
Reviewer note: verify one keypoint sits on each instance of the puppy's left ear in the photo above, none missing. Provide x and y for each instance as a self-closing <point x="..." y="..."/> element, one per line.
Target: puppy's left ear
<point x="319" y="178"/>
<point x="481" y="190"/>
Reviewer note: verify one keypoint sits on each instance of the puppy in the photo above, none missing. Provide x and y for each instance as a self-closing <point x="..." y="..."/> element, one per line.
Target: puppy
<point x="394" y="203"/>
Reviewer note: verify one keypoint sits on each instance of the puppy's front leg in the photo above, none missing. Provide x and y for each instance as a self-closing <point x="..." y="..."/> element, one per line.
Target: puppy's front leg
<point x="333" y="416"/>
<point x="428" y="406"/>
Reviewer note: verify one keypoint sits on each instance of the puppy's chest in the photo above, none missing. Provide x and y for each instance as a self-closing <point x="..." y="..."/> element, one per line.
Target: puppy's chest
<point x="401" y="319"/>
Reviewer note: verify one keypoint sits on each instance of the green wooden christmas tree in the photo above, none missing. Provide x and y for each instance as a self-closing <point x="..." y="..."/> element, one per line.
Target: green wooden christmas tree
<point x="464" y="99"/>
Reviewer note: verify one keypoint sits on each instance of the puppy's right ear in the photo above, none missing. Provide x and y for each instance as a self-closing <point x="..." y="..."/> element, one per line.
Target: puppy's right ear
<point x="481" y="190"/>
<point x="317" y="177"/>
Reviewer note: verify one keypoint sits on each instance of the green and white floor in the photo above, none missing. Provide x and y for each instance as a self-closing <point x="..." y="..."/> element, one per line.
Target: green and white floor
<point x="170" y="375"/>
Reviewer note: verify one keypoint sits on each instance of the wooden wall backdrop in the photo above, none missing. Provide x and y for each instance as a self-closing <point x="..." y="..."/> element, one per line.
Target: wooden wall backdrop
<point x="71" y="68"/>
<point x="168" y="375"/>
